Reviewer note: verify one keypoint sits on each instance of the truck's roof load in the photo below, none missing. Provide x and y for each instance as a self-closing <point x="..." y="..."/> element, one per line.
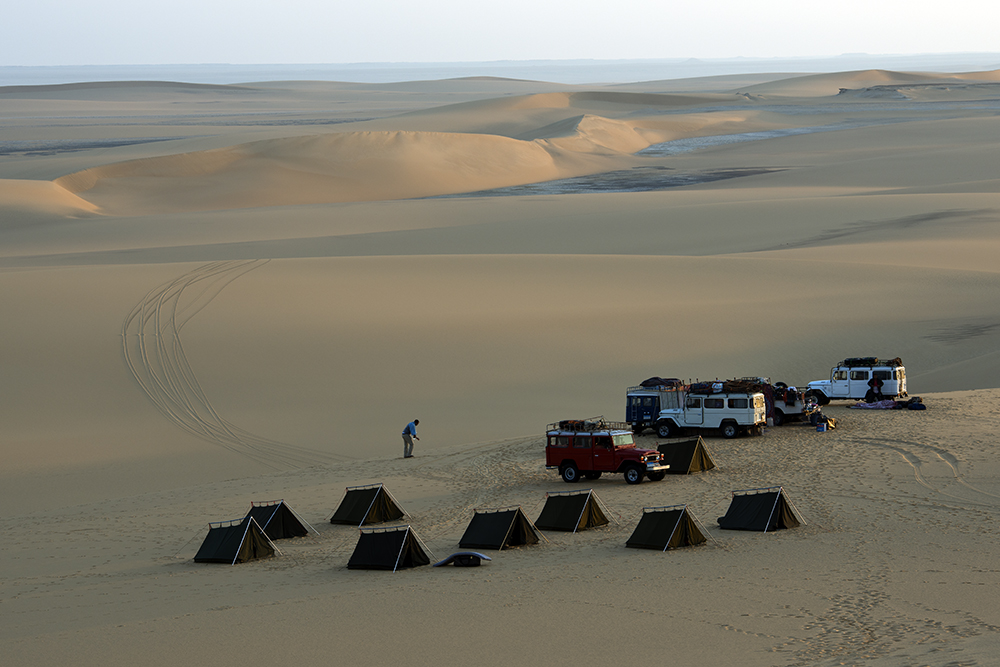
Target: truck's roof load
<point x="588" y="425"/>
<point x="870" y="361"/>
<point x="738" y="386"/>
<point x="741" y="386"/>
<point x="660" y="382"/>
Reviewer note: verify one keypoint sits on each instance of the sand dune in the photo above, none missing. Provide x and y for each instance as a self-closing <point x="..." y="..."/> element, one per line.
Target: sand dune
<point x="110" y="90"/>
<point x="351" y="167"/>
<point x="213" y="296"/>
<point x="21" y="199"/>
<point x="612" y="99"/>
<point x="830" y="84"/>
<point x="527" y="147"/>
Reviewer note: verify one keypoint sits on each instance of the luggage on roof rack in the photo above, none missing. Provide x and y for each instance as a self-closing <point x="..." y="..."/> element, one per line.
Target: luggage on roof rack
<point x="660" y="382"/>
<point x="860" y="361"/>
<point x="871" y="361"/>
<point x="585" y="425"/>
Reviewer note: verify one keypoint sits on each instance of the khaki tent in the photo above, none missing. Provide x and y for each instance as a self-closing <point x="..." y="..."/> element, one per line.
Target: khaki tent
<point x="233" y="542"/>
<point x="761" y="509"/>
<point x="499" y="529"/>
<point x="278" y="520"/>
<point x="367" y="504"/>
<point x="571" y="510"/>
<point x="393" y="548"/>
<point x="665" y="528"/>
<point x="686" y="456"/>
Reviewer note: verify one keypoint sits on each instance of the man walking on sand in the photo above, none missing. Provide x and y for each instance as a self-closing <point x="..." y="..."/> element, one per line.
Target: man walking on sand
<point x="409" y="435"/>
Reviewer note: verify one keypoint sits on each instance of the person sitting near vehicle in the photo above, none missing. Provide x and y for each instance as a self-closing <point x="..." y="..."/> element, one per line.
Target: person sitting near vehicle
<point x="790" y="395"/>
<point x="874" y="394"/>
<point x="819" y="418"/>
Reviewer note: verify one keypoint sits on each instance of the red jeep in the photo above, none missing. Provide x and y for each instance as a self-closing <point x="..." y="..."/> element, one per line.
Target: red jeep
<point x="594" y="446"/>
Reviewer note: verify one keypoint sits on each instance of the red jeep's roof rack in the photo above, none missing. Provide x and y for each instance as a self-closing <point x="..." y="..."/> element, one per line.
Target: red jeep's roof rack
<point x="592" y="424"/>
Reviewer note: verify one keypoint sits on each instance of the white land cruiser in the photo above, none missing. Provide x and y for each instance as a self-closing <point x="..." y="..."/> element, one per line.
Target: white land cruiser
<point x="850" y="380"/>
<point x="732" y="407"/>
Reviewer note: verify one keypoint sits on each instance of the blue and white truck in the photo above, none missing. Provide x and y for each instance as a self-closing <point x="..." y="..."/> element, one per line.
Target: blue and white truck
<point x="733" y="407"/>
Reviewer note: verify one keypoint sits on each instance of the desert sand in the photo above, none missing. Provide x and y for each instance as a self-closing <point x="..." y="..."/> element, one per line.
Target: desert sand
<point x="214" y="295"/>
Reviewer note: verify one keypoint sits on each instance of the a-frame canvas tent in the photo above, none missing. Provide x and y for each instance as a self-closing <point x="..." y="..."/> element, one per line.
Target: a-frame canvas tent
<point x="371" y="503"/>
<point x="278" y="520"/>
<point x="761" y="509"/>
<point x="571" y="511"/>
<point x="236" y="541"/>
<point x="686" y="456"/>
<point x="665" y="528"/>
<point x="393" y="548"/>
<point x="499" y="529"/>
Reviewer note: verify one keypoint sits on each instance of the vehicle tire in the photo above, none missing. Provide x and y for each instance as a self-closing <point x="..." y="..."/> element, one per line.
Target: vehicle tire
<point x="634" y="474"/>
<point x="666" y="429"/>
<point x="779" y="417"/>
<point x="592" y="475"/>
<point x="570" y="473"/>
<point x="656" y="476"/>
<point x="820" y="397"/>
<point x="729" y="430"/>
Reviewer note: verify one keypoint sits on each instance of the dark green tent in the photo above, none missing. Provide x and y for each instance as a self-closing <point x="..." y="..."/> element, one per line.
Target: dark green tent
<point x="686" y="456"/>
<point x="232" y="542"/>
<point x="367" y="504"/>
<point x="394" y="548"/>
<point x="278" y="520"/>
<point x="665" y="528"/>
<point x="499" y="529"/>
<point x="571" y="510"/>
<point x="761" y="509"/>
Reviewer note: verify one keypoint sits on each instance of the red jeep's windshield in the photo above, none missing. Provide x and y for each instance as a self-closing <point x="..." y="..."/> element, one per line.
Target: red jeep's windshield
<point x="624" y="440"/>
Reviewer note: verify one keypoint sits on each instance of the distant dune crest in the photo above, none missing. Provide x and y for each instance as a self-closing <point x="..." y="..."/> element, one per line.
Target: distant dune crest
<point x="354" y="166"/>
<point x="483" y="144"/>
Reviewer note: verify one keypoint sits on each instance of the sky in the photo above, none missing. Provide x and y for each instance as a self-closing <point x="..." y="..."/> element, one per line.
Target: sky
<point x="110" y="32"/>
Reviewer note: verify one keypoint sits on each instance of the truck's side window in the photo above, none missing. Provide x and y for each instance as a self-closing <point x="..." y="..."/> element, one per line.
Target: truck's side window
<point x="883" y="375"/>
<point x="840" y="375"/>
<point x="602" y="441"/>
<point x="694" y="402"/>
<point x="559" y="441"/>
<point x="859" y="375"/>
<point x="648" y="401"/>
<point x="715" y="403"/>
<point x="738" y="403"/>
<point x="582" y="441"/>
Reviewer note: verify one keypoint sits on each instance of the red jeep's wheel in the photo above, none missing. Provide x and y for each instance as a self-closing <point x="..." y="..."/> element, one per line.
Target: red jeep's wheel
<point x="570" y="473"/>
<point x="634" y="474"/>
<point x="656" y="476"/>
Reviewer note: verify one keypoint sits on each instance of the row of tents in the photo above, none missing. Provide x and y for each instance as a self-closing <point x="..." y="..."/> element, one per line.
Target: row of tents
<point x="239" y="540"/>
<point x="397" y="547"/>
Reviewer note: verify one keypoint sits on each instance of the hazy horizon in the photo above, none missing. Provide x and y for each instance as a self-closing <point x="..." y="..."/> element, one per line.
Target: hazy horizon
<point x="569" y="71"/>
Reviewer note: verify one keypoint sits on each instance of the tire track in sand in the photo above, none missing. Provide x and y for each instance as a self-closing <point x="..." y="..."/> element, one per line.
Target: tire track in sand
<point x="155" y="356"/>
<point x="908" y="451"/>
